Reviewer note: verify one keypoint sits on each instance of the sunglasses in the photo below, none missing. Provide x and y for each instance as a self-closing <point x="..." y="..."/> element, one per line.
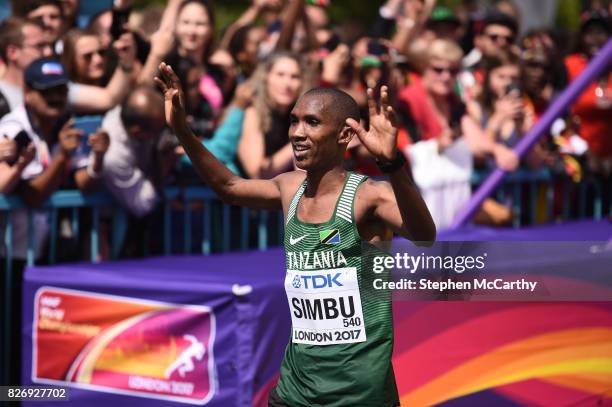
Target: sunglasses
<point x="439" y="70"/>
<point x="89" y="55"/>
<point x="509" y="39"/>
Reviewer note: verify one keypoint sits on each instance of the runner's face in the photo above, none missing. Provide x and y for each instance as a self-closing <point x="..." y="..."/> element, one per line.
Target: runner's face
<point x="313" y="134"/>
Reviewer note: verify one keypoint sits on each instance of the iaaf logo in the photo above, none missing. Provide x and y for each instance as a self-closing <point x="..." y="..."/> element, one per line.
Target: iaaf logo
<point x="314" y="281"/>
<point x="124" y="345"/>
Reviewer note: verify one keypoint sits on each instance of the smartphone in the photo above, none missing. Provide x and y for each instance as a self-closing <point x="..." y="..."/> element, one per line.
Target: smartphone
<point x="514" y="86"/>
<point x="120" y="18"/>
<point x="332" y="43"/>
<point x="22" y="140"/>
<point x="376" y="48"/>
<point x="89" y="125"/>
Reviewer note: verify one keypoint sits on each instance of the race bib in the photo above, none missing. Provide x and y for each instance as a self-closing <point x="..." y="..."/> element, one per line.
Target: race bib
<point x="325" y="306"/>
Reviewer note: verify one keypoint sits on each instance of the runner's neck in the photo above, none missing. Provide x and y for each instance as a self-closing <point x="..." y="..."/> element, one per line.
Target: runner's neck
<point x="322" y="183"/>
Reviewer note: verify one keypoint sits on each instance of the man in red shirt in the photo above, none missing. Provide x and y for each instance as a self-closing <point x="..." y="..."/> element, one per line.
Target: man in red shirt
<point x="593" y="107"/>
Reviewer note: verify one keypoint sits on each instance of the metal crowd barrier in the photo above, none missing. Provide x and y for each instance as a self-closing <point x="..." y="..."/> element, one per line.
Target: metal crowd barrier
<point x="528" y="191"/>
<point x="525" y="191"/>
<point x="73" y="200"/>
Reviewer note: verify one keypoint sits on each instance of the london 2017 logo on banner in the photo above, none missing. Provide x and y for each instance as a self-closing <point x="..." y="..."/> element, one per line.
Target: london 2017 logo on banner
<point x="123" y="345"/>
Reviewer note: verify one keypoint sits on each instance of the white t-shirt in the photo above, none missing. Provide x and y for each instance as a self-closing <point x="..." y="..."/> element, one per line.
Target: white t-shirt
<point x="442" y="177"/>
<point x="127" y="165"/>
<point x="11" y="125"/>
<point x="12" y="93"/>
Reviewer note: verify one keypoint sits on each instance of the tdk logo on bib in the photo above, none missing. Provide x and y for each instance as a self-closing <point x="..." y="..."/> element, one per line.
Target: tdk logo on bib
<point x="315" y="281"/>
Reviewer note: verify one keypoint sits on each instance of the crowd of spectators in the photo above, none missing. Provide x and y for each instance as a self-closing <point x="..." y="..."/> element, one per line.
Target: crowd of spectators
<point x="80" y="108"/>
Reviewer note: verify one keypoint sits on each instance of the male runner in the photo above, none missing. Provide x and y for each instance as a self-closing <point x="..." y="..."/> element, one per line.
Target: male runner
<point x="342" y="335"/>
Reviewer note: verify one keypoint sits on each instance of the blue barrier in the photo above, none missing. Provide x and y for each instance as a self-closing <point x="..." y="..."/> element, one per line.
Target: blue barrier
<point x="521" y="190"/>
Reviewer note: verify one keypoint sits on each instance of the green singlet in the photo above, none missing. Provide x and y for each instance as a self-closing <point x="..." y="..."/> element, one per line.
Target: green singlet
<point x="341" y="342"/>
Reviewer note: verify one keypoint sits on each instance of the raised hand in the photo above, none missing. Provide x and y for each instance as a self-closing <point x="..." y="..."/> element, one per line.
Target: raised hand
<point x="174" y="100"/>
<point x="99" y="142"/>
<point x="381" y="139"/>
<point x="125" y="47"/>
<point x="69" y="138"/>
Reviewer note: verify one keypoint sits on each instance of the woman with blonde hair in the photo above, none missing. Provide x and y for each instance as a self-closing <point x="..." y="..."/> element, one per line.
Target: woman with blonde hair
<point x="264" y="150"/>
<point x="447" y="138"/>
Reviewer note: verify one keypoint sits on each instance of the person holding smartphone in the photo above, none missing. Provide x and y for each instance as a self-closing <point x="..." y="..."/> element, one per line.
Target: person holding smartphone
<point x="42" y="126"/>
<point x="500" y="108"/>
<point x="13" y="160"/>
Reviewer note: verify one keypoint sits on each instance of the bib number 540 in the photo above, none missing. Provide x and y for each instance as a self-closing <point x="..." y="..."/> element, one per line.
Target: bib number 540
<point x="356" y="321"/>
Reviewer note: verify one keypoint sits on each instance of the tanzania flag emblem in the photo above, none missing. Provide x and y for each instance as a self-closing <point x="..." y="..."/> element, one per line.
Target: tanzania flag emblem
<point x="330" y="236"/>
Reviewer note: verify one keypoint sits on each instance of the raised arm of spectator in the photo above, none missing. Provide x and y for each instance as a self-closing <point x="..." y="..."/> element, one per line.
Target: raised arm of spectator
<point x="36" y="191"/>
<point x="481" y="145"/>
<point x="416" y="13"/>
<point x="311" y="35"/>
<point x="251" y="150"/>
<point x="248" y="17"/>
<point x="293" y="11"/>
<point x="87" y="179"/>
<point x="162" y="41"/>
<point x="95" y="98"/>
<point x="385" y="20"/>
<point x="229" y="187"/>
<point x="334" y="64"/>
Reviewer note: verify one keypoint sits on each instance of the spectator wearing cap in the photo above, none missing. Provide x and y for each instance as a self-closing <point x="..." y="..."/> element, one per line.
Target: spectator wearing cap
<point x="594" y="106"/>
<point x="443" y="23"/>
<point x="44" y="123"/>
<point x="21" y="42"/>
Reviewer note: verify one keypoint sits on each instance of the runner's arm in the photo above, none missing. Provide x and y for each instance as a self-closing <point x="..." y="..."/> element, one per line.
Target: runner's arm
<point x="399" y="205"/>
<point x="231" y="188"/>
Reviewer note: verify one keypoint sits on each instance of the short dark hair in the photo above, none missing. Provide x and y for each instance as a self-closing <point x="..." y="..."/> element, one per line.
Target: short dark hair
<point x="238" y="40"/>
<point x="23" y="7"/>
<point x="344" y="106"/>
<point x="499" y="18"/>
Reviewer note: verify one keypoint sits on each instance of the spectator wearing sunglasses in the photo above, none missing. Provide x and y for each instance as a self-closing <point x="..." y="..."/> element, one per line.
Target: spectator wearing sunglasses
<point x="430" y="104"/>
<point x="498" y="32"/>
<point x="432" y="110"/>
<point x="447" y="138"/>
<point x="88" y="91"/>
<point x="84" y="57"/>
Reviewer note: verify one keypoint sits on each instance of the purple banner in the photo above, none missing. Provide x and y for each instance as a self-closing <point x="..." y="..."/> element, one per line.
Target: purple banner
<point x="161" y="331"/>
